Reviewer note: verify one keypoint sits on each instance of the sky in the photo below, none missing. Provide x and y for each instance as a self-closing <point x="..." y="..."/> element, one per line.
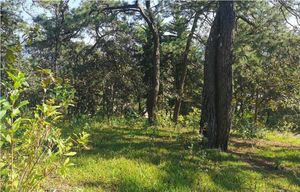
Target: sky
<point x="29" y="9"/>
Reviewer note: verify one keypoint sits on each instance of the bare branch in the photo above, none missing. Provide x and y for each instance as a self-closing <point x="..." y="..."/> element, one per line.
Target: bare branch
<point x="291" y="10"/>
<point x="246" y="20"/>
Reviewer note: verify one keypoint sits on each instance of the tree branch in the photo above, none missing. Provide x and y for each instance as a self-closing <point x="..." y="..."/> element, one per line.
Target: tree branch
<point x="242" y="17"/>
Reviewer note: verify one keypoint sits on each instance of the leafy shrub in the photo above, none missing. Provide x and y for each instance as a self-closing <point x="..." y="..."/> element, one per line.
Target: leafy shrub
<point x="289" y="123"/>
<point x="30" y="141"/>
<point x="246" y="128"/>
<point x="164" y="120"/>
<point x="192" y="119"/>
<point x="190" y="140"/>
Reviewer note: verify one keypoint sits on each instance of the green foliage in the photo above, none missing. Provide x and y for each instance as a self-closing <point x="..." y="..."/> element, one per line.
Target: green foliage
<point x="189" y="121"/>
<point x="192" y="119"/>
<point x="191" y="141"/>
<point x="129" y="158"/>
<point x="81" y="140"/>
<point x="107" y="58"/>
<point x="266" y="68"/>
<point x="164" y="120"/>
<point x="31" y="144"/>
<point x="288" y="125"/>
<point x="246" y="128"/>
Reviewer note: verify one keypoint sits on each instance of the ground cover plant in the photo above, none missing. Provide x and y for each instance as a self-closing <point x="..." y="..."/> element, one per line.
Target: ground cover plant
<point x="124" y="157"/>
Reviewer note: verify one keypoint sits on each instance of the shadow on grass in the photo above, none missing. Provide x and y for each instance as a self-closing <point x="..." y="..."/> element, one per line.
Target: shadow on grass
<point x="182" y="167"/>
<point x="270" y="165"/>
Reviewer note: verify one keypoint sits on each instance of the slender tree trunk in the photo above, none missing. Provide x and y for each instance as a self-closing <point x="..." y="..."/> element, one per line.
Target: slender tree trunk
<point x="217" y="90"/>
<point x="256" y="107"/>
<point x="183" y="73"/>
<point x="153" y="88"/>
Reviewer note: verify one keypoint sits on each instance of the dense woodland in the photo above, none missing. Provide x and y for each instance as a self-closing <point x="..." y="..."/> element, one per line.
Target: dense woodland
<point x="150" y="95"/>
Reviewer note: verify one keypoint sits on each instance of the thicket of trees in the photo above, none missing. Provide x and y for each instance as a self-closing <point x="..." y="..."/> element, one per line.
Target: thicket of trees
<point x="236" y="61"/>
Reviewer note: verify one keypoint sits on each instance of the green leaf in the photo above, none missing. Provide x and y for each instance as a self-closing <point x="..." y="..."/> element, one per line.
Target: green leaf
<point x="15" y="112"/>
<point x="6" y="105"/>
<point x="8" y="138"/>
<point x="70" y="154"/>
<point x="10" y="56"/>
<point x="25" y="84"/>
<point x="23" y="103"/>
<point x="17" y="84"/>
<point x="11" y="76"/>
<point x="66" y="161"/>
<point x="2" y="165"/>
<point x="2" y="113"/>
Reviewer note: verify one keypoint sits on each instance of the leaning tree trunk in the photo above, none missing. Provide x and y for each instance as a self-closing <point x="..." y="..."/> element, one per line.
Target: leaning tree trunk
<point x="153" y="89"/>
<point x="183" y="73"/>
<point x="217" y="90"/>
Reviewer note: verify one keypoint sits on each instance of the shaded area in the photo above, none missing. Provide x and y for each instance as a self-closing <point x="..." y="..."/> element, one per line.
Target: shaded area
<point x="180" y="167"/>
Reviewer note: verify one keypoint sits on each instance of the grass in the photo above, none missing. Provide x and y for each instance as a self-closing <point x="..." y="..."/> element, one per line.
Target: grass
<point x="128" y="157"/>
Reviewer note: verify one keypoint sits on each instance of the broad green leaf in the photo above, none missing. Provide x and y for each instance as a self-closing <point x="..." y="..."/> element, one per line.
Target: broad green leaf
<point x="2" y="164"/>
<point x="11" y="76"/>
<point x="8" y="138"/>
<point x="23" y="103"/>
<point x="2" y="114"/>
<point x="70" y="154"/>
<point x="17" y="84"/>
<point x="66" y="161"/>
<point x="15" y="112"/>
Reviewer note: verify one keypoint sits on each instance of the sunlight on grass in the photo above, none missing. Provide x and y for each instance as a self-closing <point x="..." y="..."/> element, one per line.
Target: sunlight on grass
<point x="283" y="137"/>
<point x="98" y="173"/>
<point x="132" y="158"/>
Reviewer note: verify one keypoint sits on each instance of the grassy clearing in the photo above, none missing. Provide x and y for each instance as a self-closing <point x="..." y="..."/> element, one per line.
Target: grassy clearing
<point x="131" y="158"/>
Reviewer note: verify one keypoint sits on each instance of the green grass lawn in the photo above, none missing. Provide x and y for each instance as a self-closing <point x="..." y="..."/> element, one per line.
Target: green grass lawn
<point x="131" y="158"/>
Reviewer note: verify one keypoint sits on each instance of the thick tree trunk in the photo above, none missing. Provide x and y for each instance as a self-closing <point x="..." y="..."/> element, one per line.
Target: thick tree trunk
<point x="217" y="90"/>
<point x="183" y="73"/>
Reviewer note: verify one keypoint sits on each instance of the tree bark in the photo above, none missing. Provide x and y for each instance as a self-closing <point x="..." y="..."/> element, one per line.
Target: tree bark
<point x="153" y="88"/>
<point x="183" y="73"/>
<point x="217" y="90"/>
<point x="256" y="106"/>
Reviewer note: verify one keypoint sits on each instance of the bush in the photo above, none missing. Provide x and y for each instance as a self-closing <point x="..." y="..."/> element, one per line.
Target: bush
<point x="192" y="119"/>
<point x="30" y="141"/>
<point x="164" y="120"/>
<point x="246" y="128"/>
<point x="190" y="140"/>
<point x="289" y="123"/>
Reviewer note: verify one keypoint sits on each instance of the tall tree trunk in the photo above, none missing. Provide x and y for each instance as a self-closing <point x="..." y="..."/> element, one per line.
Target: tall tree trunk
<point x="154" y="84"/>
<point x="153" y="88"/>
<point x="217" y="90"/>
<point x="183" y="73"/>
<point x="256" y="106"/>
